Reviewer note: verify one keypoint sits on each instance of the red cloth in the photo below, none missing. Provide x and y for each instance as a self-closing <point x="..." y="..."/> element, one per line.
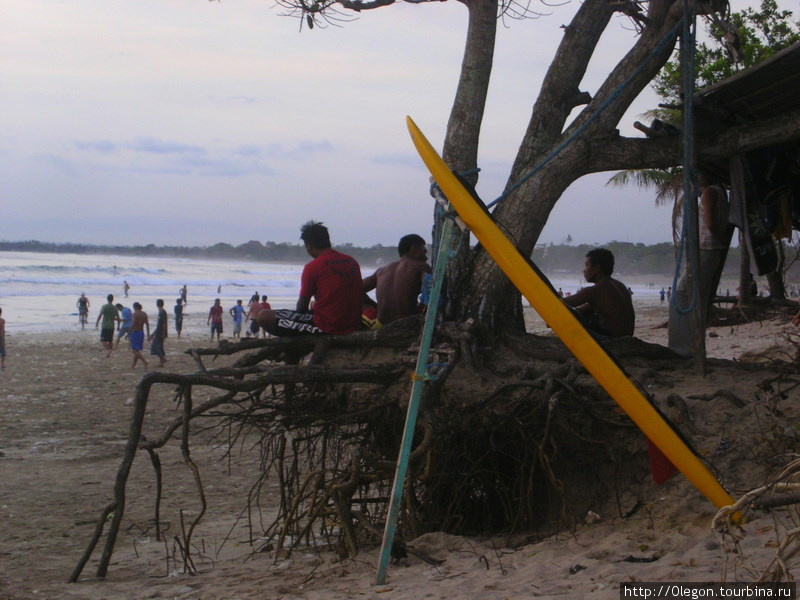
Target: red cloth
<point x="334" y="280"/>
<point x="660" y="466"/>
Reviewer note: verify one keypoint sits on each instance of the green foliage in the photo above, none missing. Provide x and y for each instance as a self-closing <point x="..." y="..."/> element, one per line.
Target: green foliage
<point x="630" y="259"/>
<point x="666" y="182"/>
<point x="762" y="32"/>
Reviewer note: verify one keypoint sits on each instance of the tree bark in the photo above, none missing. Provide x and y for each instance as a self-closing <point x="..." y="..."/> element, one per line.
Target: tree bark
<point x="595" y="145"/>
<point x="777" y="289"/>
<point x="460" y="149"/>
<point x="523" y="213"/>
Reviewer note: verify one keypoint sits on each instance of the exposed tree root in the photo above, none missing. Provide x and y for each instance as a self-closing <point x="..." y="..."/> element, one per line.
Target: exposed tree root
<point x="511" y="438"/>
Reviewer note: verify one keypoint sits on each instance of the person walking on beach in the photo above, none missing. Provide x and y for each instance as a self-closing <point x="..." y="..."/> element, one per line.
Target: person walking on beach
<point x="159" y="335"/>
<point x="124" y="328"/>
<point x="83" y="309"/>
<point x="2" y="340"/>
<point x="184" y="294"/>
<point x="109" y="314"/>
<point x="264" y="305"/>
<point x="215" y="319"/>
<point x="126" y="288"/>
<point x="178" y="310"/>
<point x="136" y="336"/>
<point x="252" y="313"/>
<point x="237" y="312"/>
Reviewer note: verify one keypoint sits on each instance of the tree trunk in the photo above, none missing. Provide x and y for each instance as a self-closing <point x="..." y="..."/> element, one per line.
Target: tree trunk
<point x="460" y="149"/>
<point x="555" y="152"/>
<point x="490" y="297"/>
<point x="745" y="277"/>
<point x="777" y="289"/>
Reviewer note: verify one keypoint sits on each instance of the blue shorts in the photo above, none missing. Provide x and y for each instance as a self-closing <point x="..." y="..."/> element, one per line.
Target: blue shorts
<point x="137" y="340"/>
<point x="216" y="327"/>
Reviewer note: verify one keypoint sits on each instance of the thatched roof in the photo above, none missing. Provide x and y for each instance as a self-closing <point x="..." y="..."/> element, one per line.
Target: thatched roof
<point x="765" y="90"/>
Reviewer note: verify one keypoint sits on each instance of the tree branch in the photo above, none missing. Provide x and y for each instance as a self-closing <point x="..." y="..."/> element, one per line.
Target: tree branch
<point x="623" y="153"/>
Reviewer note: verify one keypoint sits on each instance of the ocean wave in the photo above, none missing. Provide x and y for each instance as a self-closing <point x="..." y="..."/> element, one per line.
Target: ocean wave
<point x="38" y="295"/>
<point x="77" y="269"/>
<point x="134" y="282"/>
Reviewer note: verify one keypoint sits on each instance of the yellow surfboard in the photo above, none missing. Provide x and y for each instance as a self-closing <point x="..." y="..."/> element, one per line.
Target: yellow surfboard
<point x="566" y="325"/>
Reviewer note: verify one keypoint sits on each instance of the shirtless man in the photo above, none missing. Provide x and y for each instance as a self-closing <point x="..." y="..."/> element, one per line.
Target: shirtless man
<point x="397" y="285"/>
<point x="606" y="306"/>
<point x="136" y="335"/>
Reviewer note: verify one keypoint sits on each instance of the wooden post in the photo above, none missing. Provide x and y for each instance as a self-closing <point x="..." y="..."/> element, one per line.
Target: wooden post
<point x="696" y="320"/>
<point x="420" y="374"/>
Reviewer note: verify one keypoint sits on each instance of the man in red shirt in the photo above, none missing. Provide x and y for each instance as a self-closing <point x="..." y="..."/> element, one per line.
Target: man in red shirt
<point x="215" y="319"/>
<point x="333" y="279"/>
<point x="252" y="315"/>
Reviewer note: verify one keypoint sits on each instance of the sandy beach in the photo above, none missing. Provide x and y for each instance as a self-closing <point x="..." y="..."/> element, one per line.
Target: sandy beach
<point x="65" y="410"/>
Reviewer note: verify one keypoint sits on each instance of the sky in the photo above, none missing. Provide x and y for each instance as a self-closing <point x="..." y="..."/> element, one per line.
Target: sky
<point x="193" y="122"/>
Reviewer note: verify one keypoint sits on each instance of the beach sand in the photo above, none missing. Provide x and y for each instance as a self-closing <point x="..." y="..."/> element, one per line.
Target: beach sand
<point x="64" y="417"/>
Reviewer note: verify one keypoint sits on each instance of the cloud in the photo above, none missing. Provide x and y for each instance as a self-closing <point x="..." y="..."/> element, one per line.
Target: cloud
<point x="150" y="145"/>
<point x="397" y="160"/>
<point x="170" y="157"/>
<point x="100" y="146"/>
<point x="244" y="99"/>
<point x="146" y="145"/>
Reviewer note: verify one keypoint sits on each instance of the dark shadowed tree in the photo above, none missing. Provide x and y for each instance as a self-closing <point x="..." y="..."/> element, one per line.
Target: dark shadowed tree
<point x="587" y="143"/>
<point x="741" y="40"/>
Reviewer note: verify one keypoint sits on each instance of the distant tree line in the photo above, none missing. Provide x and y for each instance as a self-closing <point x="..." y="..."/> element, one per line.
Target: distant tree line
<point x="641" y="259"/>
<point x="630" y="258"/>
<point x="251" y="251"/>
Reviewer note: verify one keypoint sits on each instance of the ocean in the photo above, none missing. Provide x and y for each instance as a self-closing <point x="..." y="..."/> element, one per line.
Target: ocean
<point x="39" y="291"/>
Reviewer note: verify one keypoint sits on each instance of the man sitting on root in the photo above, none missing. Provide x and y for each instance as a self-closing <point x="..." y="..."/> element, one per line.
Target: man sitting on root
<point x="333" y="279"/>
<point x="605" y="307"/>
<point x="398" y="285"/>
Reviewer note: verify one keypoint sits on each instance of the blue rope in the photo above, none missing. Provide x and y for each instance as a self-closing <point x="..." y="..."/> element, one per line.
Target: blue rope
<point x="669" y="38"/>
